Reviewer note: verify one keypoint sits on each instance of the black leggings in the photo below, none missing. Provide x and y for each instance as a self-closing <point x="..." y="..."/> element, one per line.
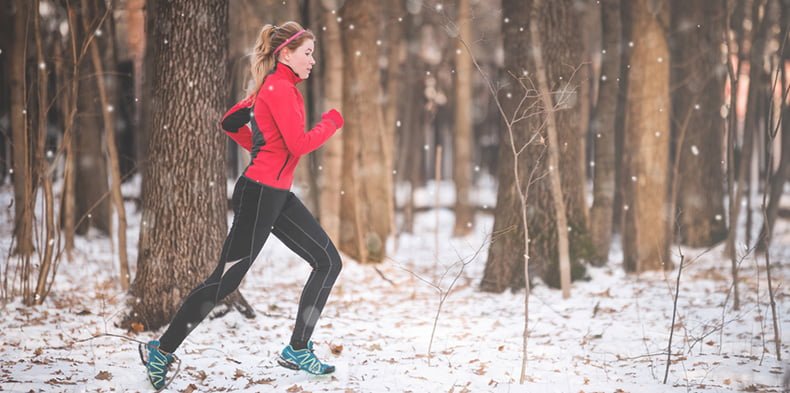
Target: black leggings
<point x="260" y="210"/>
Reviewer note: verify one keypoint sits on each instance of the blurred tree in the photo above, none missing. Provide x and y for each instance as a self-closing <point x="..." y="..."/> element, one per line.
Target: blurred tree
<point x="506" y="253"/>
<point x="414" y="114"/>
<point x="559" y="27"/>
<point x="135" y="38"/>
<point x="184" y="217"/>
<point x="22" y="164"/>
<point x="646" y="145"/>
<point x="6" y="36"/>
<point x="698" y="73"/>
<point x="782" y="172"/>
<point x="603" y="135"/>
<point x="462" y="137"/>
<point x="559" y="30"/>
<point x="763" y="16"/>
<point x="91" y="187"/>
<point x="365" y="223"/>
<point x="331" y="176"/>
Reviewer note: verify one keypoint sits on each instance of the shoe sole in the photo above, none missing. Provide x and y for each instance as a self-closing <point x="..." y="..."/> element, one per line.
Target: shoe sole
<point x="293" y="366"/>
<point x="287" y="363"/>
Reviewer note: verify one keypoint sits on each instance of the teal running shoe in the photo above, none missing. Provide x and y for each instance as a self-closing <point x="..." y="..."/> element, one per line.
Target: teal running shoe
<point x="157" y="364"/>
<point x="304" y="359"/>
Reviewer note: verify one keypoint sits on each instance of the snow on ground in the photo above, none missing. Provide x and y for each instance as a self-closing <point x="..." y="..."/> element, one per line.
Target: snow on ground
<point x="610" y="336"/>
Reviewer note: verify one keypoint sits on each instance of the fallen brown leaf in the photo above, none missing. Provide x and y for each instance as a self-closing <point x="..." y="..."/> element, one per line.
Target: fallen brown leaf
<point x="104" y="376"/>
<point x="137" y="327"/>
<point x="336" y="349"/>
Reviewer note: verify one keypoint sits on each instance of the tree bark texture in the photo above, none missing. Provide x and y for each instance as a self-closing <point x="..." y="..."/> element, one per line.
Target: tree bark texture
<point x="506" y="252"/>
<point x="562" y="54"/>
<point x="184" y="219"/>
<point x="603" y="133"/>
<point x="363" y="116"/>
<point x="646" y="145"/>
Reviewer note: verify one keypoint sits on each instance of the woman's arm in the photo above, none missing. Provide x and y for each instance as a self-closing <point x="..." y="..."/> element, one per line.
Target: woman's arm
<point x="284" y="106"/>
<point x="235" y="123"/>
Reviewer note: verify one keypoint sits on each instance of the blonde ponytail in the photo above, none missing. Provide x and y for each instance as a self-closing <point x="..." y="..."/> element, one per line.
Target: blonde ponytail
<point x="263" y="58"/>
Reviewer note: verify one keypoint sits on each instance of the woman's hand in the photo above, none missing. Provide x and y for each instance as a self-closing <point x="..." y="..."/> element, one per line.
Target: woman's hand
<point x="333" y="116"/>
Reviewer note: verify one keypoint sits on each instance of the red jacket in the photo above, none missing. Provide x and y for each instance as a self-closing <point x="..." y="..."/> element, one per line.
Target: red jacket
<point x="275" y="134"/>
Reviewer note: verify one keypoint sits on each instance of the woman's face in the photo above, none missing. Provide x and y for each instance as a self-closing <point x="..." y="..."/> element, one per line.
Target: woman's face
<point x="300" y="59"/>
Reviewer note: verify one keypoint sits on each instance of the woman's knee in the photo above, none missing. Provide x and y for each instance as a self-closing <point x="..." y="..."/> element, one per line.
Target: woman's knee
<point x="333" y="260"/>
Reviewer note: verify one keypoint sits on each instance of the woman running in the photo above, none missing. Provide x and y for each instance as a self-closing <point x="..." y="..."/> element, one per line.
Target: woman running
<point x="270" y="124"/>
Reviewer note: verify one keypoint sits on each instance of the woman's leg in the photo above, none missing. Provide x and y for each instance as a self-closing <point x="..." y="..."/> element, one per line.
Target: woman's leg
<point x="297" y="228"/>
<point x="256" y="207"/>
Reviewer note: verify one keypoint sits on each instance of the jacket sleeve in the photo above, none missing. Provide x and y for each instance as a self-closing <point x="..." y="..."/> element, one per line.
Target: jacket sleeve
<point x="285" y="107"/>
<point x="235" y="123"/>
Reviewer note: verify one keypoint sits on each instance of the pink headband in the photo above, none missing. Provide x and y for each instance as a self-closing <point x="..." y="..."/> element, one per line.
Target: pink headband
<point x="293" y="37"/>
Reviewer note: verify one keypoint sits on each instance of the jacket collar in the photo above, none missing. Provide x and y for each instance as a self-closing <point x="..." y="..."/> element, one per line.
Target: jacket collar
<point x="285" y="71"/>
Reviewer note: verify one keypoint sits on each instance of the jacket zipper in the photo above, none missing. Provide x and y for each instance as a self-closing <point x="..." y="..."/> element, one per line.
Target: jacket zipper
<point x="284" y="164"/>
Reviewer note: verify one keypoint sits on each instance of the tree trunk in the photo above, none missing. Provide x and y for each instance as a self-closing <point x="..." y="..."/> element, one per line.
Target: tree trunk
<point x="22" y="145"/>
<point x="364" y="122"/>
<point x="184" y="218"/>
<point x="6" y="37"/>
<point x="135" y="36"/>
<point x="646" y="145"/>
<point x="506" y="253"/>
<point x="698" y="76"/>
<point x="462" y="138"/>
<point x="411" y="126"/>
<point x="43" y="165"/>
<point x="92" y="202"/>
<point x="332" y="159"/>
<point x="558" y="202"/>
<point x="106" y="98"/>
<point x="618" y="209"/>
<point x="559" y="29"/>
<point x="758" y="80"/>
<point x="603" y="133"/>
<point x="69" y="105"/>
<point x="782" y="173"/>
<point x="393" y="89"/>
